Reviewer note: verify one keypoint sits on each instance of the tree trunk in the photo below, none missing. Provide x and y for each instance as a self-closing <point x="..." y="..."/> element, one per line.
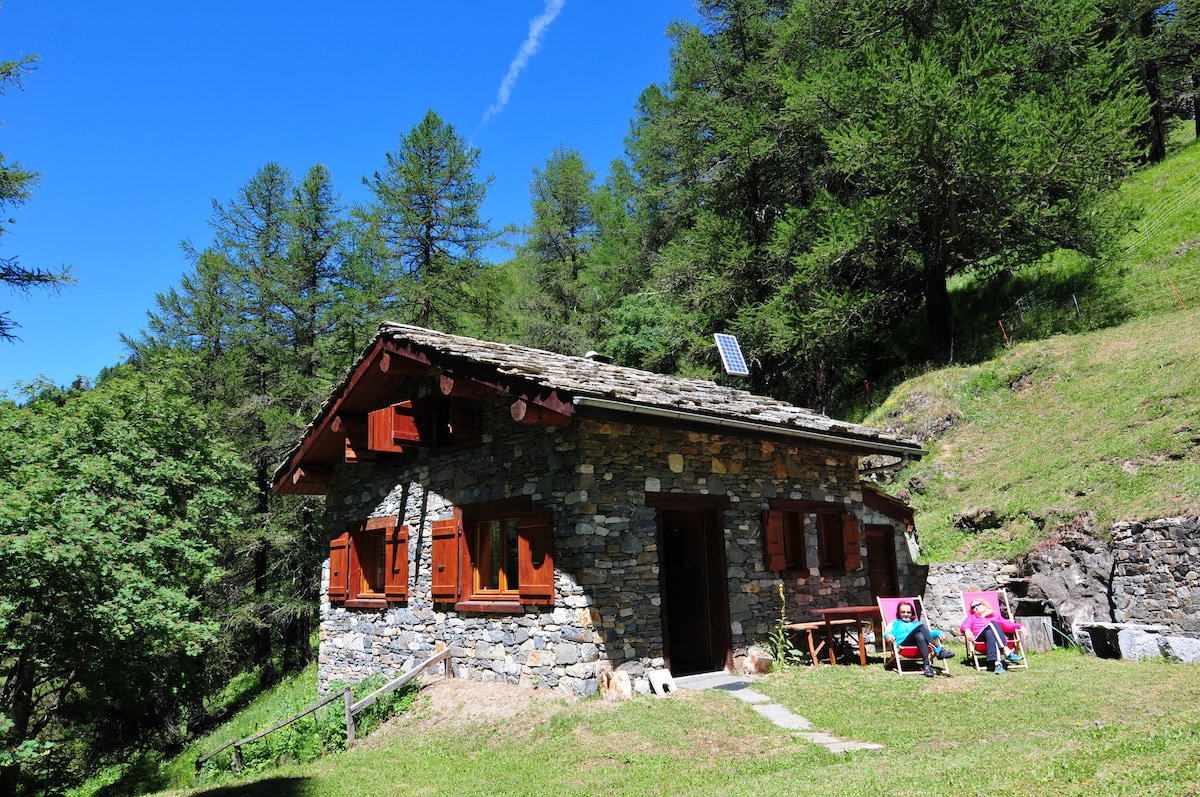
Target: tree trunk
<point x="20" y="706"/>
<point x="262" y="642"/>
<point x="939" y="319"/>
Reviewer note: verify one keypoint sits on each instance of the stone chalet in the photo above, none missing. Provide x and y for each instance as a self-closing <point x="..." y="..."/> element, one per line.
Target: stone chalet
<point x="549" y="518"/>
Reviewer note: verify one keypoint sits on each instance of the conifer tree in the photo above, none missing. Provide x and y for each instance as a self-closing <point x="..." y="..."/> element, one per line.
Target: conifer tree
<point x="16" y="188"/>
<point x="426" y="218"/>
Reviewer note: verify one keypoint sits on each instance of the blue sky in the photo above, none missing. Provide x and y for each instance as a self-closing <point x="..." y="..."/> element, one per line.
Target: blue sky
<point x="142" y="112"/>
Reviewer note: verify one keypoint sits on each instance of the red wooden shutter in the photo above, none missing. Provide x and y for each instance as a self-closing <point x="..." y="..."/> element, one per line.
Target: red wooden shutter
<point x="339" y="566"/>
<point x="395" y="578"/>
<point x="851" y="547"/>
<point x="535" y="550"/>
<point x="773" y="539"/>
<point x="444" y="560"/>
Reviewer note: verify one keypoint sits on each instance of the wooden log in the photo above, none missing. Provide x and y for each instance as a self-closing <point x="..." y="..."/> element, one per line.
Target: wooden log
<point x="528" y="412"/>
<point x="312" y="475"/>
<point x="460" y="387"/>
<point x="354" y="428"/>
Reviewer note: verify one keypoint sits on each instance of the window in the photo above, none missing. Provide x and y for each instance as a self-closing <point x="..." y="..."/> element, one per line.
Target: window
<point x="786" y="540"/>
<point x="829" y="542"/>
<point x="785" y="532"/>
<point x="366" y="568"/>
<point x="495" y="544"/>
<point x="368" y="564"/>
<point x="506" y="557"/>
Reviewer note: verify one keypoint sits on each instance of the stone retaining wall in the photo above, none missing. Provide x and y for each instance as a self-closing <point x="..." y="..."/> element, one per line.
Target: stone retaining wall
<point x="1156" y="573"/>
<point x="1149" y="573"/>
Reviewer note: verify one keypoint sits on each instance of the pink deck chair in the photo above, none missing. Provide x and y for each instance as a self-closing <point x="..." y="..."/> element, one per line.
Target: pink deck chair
<point x="907" y="658"/>
<point x="977" y="651"/>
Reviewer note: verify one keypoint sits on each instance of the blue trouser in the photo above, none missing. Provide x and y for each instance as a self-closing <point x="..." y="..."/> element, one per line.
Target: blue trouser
<point x="993" y="636"/>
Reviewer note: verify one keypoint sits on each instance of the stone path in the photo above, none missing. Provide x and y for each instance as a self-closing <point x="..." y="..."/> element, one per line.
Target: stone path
<point x="781" y="716"/>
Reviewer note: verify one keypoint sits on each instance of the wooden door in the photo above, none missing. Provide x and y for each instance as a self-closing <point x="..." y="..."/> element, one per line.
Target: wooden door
<point x="692" y="578"/>
<point x="881" y="561"/>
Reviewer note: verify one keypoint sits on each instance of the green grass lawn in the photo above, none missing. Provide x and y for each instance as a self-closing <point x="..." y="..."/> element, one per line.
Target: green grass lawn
<point x="1070" y="725"/>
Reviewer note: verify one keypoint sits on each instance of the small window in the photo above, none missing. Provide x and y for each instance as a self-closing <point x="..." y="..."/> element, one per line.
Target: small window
<point x="368" y="564"/>
<point x="829" y="542"/>
<point x="497" y="568"/>
<point x="786" y="541"/>
<point x="839" y="542"/>
<point x="789" y="526"/>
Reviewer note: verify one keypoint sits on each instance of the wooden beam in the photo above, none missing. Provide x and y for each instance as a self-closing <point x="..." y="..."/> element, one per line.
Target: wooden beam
<point x="465" y="388"/>
<point x="528" y="412"/>
<point x="354" y="429"/>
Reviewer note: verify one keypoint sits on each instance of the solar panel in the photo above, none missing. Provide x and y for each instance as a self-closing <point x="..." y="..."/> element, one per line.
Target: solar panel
<point x="731" y="355"/>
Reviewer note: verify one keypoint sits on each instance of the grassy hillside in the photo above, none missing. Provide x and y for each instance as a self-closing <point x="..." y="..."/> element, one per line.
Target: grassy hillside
<point x="1073" y="429"/>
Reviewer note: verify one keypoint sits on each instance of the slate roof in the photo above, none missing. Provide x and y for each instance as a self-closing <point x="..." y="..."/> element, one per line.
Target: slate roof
<point x="586" y="382"/>
<point x="582" y="377"/>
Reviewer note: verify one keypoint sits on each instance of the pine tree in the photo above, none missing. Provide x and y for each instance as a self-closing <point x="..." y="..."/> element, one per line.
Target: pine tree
<point x="425" y="215"/>
<point x="16" y="188"/>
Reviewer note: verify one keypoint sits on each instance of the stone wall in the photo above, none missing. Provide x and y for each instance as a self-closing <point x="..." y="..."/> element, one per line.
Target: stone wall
<point x="595" y="475"/>
<point x="946" y="581"/>
<point x="1147" y="574"/>
<point x="1156" y="573"/>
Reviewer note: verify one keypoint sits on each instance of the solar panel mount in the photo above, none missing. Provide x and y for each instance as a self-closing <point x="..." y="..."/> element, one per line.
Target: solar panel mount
<point x="731" y="355"/>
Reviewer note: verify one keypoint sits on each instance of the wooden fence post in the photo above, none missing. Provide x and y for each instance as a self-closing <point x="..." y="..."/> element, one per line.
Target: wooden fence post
<point x="349" y="718"/>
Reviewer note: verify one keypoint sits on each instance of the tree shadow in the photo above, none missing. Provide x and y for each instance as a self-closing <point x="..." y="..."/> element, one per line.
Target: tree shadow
<point x="268" y="787"/>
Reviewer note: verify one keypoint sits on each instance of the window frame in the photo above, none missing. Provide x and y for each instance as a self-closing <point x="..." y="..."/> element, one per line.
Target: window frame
<point x="350" y="555"/>
<point x="457" y="558"/>
<point x="838" y="536"/>
<point x="786" y="540"/>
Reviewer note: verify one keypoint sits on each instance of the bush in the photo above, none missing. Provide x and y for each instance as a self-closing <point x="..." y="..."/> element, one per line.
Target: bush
<point x="316" y="734"/>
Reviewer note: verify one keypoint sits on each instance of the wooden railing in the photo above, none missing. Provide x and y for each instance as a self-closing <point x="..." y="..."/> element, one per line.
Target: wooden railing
<point x="352" y="708"/>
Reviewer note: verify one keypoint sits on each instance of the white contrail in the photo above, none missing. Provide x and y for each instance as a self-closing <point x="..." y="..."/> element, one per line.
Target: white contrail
<point x="537" y="27"/>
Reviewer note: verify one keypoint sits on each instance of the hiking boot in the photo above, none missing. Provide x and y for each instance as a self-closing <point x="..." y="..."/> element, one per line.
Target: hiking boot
<point x="1014" y="658"/>
<point x="944" y="653"/>
<point x="999" y="669"/>
<point x="927" y="671"/>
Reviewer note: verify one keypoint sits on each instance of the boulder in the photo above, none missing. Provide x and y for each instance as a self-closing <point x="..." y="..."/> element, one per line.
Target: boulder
<point x="1138" y="644"/>
<point x="1181" y="648"/>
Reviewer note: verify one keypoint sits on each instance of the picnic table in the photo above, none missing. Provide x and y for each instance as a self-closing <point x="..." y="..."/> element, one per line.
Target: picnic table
<point x="849" y="615"/>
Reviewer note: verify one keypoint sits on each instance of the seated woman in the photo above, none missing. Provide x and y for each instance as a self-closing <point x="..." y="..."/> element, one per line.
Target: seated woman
<point x="908" y="629"/>
<point x="983" y="624"/>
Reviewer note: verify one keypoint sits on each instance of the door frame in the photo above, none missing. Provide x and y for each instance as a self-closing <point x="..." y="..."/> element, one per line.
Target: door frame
<point x="889" y="553"/>
<point x="711" y="510"/>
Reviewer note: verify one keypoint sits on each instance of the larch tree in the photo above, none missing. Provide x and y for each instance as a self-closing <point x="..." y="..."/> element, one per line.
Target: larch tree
<point x="556" y="252"/>
<point x="16" y="188"/>
<point x="258" y="328"/>
<point x="965" y="137"/>
<point x="426" y="217"/>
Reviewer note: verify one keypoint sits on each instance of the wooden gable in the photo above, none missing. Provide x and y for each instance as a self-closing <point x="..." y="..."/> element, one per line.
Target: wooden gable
<point x="370" y="417"/>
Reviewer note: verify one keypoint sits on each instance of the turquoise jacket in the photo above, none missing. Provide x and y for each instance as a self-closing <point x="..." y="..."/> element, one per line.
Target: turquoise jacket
<point x="900" y="629"/>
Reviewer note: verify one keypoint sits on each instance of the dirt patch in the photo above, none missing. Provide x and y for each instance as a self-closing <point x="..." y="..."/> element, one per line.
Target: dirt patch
<point x="450" y="707"/>
<point x="446" y="704"/>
